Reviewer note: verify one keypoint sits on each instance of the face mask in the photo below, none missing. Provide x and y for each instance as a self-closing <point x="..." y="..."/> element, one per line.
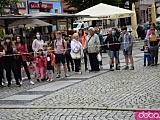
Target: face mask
<point x="113" y="32"/>
<point x="8" y="40"/>
<point x="57" y="37"/>
<point x="38" y="36"/>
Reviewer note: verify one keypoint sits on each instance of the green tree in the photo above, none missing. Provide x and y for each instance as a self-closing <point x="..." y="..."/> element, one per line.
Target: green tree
<point x="4" y="3"/>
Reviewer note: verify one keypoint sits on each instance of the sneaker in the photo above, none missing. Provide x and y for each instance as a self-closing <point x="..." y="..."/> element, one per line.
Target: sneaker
<point x="38" y="80"/>
<point x="144" y="65"/>
<point x="1" y="86"/>
<point x="51" y="80"/>
<point x="132" y="67"/>
<point x="21" y="82"/>
<point x="18" y="84"/>
<point x="126" y="68"/>
<point x="111" y="69"/>
<point x="80" y="72"/>
<point x="31" y="82"/>
<point x="101" y="68"/>
<point x="66" y="75"/>
<point x="117" y="68"/>
<point x="58" y="76"/>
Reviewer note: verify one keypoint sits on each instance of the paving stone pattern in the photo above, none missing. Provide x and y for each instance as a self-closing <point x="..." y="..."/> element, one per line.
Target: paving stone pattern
<point x="137" y="88"/>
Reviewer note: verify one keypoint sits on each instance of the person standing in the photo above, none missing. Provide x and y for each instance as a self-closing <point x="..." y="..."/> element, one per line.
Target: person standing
<point x="92" y="45"/>
<point x="113" y="49"/>
<point x="51" y="41"/>
<point x="9" y="60"/>
<point x="22" y="50"/>
<point x="76" y="48"/>
<point x="68" y="55"/>
<point x="101" y="43"/>
<point x="60" y="47"/>
<point x="126" y="40"/>
<point x="2" y="53"/>
<point x="40" y="61"/>
<point x="50" y="63"/>
<point x="82" y="39"/>
<point x="153" y="40"/>
<point x="146" y="53"/>
<point x="37" y="43"/>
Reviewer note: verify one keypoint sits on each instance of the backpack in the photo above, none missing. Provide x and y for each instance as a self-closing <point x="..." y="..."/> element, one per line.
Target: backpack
<point x="62" y="43"/>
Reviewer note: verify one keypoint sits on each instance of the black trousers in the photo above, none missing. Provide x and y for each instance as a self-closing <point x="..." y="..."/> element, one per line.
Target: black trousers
<point x="85" y="60"/>
<point x="1" y="70"/>
<point x="20" y="62"/>
<point x="94" y="61"/>
<point x="10" y="64"/>
<point x="154" y="54"/>
<point x="77" y="63"/>
<point x="69" y="60"/>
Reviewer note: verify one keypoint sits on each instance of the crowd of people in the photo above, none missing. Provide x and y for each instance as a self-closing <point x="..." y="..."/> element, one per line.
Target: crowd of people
<point x="66" y="52"/>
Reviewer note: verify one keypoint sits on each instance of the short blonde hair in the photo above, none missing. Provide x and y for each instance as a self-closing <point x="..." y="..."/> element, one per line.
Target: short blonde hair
<point x="75" y="35"/>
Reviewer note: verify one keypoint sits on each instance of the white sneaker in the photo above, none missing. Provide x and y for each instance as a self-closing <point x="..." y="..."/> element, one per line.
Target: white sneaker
<point x="66" y="75"/>
<point x="80" y="72"/>
<point x="31" y="82"/>
<point x="21" y="82"/>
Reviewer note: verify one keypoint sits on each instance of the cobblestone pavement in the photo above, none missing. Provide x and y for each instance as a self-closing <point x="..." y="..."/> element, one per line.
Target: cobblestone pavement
<point x="128" y="89"/>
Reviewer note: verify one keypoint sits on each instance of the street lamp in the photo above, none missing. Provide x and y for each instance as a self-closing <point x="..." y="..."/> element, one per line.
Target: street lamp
<point x="40" y="5"/>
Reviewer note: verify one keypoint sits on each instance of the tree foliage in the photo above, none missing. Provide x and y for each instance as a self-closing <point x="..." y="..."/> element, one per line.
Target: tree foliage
<point x="84" y="4"/>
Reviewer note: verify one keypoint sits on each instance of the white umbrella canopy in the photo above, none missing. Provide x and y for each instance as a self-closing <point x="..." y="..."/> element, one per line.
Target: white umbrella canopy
<point x="106" y="11"/>
<point x="22" y="23"/>
<point x="134" y="22"/>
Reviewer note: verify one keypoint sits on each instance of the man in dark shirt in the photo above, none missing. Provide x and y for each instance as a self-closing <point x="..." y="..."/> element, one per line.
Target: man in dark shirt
<point x="113" y="48"/>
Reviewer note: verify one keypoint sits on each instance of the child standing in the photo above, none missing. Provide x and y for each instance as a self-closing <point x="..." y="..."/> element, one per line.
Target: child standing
<point x="68" y="55"/>
<point x="146" y="53"/>
<point x="40" y="61"/>
<point x="50" y="64"/>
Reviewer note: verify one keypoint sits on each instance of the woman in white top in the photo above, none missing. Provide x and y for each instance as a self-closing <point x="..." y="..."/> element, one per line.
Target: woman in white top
<point x="76" y="48"/>
<point x="37" y="43"/>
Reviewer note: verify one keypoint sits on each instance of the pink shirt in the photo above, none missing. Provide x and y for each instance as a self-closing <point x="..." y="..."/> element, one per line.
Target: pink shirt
<point x="59" y="49"/>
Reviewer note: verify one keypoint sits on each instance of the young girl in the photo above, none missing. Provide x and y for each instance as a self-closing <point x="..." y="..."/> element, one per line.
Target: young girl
<point x="50" y="64"/>
<point x="40" y="61"/>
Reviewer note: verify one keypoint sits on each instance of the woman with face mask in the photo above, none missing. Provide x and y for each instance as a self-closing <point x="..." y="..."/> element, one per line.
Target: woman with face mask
<point x="9" y="60"/>
<point x="37" y="43"/>
<point x="22" y="50"/>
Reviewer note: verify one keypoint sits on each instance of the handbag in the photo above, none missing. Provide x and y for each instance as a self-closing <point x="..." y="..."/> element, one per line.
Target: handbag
<point x="99" y="57"/>
<point x="75" y="55"/>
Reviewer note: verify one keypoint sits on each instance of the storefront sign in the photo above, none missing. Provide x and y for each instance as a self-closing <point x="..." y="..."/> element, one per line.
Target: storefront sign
<point x="34" y="5"/>
<point x="20" y="5"/>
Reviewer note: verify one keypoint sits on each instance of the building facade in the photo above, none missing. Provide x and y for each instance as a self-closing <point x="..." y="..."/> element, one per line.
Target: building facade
<point x="144" y="9"/>
<point x="50" y="6"/>
<point x="31" y="6"/>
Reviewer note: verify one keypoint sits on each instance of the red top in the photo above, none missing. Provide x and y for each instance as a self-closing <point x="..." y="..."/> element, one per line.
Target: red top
<point x="40" y="61"/>
<point x="22" y="49"/>
<point x="84" y="39"/>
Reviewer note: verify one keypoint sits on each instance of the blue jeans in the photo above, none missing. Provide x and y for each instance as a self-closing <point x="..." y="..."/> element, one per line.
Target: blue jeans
<point x="148" y="58"/>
